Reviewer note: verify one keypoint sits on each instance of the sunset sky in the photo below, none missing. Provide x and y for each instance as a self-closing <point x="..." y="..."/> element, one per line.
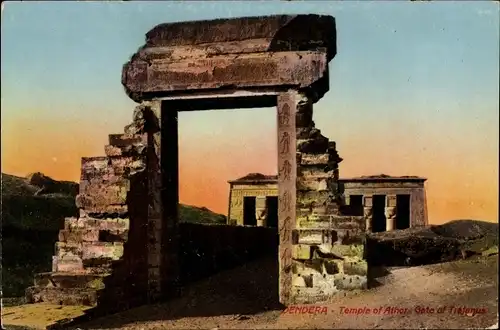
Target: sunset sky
<point x="413" y="91"/>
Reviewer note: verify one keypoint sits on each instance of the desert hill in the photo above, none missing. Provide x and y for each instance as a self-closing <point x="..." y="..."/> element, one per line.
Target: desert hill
<point x="33" y="211"/>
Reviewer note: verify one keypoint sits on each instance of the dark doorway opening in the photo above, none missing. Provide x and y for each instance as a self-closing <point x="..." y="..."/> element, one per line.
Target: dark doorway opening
<point x="249" y="217"/>
<point x="356" y="205"/>
<point x="272" y="211"/>
<point x="378" y="217"/>
<point x="402" y="211"/>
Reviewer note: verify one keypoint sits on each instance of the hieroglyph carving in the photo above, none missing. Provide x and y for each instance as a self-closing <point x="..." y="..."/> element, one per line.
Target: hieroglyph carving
<point x="287" y="177"/>
<point x="285" y="143"/>
<point x="285" y="170"/>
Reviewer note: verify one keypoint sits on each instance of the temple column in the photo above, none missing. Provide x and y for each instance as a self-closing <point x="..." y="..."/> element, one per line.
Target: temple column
<point x="368" y="212"/>
<point x="261" y="211"/>
<point x="390" y="212"/>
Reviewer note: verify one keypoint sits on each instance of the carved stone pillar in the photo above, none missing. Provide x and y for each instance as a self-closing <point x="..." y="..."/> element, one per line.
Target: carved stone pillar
<point x="390" y="212"/>
<point x="261" y="211"/>
<point x="287" y="176"/>
<point x="164" y="200"/>
<point x="368" y="212"/>
<point x="154" y="223"/>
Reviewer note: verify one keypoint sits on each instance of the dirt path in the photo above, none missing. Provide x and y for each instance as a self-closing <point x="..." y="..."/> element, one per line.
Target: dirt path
<point x="240" y="299"/>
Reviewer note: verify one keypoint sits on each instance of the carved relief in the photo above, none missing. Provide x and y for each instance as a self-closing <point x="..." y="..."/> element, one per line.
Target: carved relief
<point x="237" y="201"/>
<point x="285" y="202"/>
<point x="287" y="160"/>
<point x="261" y="214"/>
<point x="286" y="258"/>
<point x="258" y="193"/>
<point x="285" y="231"/>
<point x="285" y="170"/>
<point x="284" y="143"/>
<point x="284" y="115"/>
<point x="391" y="201"/>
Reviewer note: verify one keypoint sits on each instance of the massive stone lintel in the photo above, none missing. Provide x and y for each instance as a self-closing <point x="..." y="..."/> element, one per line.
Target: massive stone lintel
<point x="241" y="53"/>
<point x="159" y="77"/>
<point x="273" y="33"/>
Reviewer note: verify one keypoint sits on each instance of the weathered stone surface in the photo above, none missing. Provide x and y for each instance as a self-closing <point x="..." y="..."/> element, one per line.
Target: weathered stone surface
<point x="301" y="252"/>
<point x="111" y="224"/>
<point x="94" y="206"/>
<point x="300" y="69"/>
<point x="232" y="35"/>
<point x="351" y="282"/>
<point x="104" y="193"/>
<point x="65" y="280"/>
<point x="356" y="266"/>
<point x="62" y="296"/>
<point x="78" y="235"/>
<point x="315" y="159"/>
<point x="125" y="140"/>
<point x="68" y="263"/>
<point x="353" y="250"/>
<point x="111" y="168"/>
<point x="311" y="199"/>
<point x="316" y="183"/>
<point x="98" y="250"/>
<point x="73" y="249"/>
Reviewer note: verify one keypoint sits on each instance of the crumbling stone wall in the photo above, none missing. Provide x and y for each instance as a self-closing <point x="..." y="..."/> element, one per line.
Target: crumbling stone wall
<point x="101" y="256"/>
<point x="326" y="248"/>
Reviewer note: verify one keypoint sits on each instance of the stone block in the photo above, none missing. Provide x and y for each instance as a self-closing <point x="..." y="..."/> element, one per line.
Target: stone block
<point x="351" y="250"/>
<point x="298" y="281"/>
<point x="311" y="199"/>
<point x="351" y="282"/>
<point x="309" y="236"/>
<point x="69" y="249"/>
<point x="301" y="252"/>
<point x="312" y="295"/>
<point x="93" y="205"/>
<point x="128" y="165"/>
<point x="301" y="68"/>
<point x="67" y="264"/>
<point x="355" y="266"/>
<point x="68" y="280"/>
<point x="316" y="184"/>
<point x="113" y="251"/>
<point x="348" y="222"/>
<point x="112" y="151"/>
<point x="62" y="296"/>
<point x="123" y="140"/>
<point x="315" y="159"/>
<point x="114" y="225"/>
<point x="79" y="235"/>
<point x="106" y="193"/>
<point x="350" y="236"/>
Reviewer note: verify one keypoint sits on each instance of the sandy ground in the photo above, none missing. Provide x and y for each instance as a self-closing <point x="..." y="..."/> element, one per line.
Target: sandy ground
<point x="245" y="298"/>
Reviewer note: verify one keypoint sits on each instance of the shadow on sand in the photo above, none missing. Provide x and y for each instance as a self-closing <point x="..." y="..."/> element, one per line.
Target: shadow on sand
<point x="249" y="289"/>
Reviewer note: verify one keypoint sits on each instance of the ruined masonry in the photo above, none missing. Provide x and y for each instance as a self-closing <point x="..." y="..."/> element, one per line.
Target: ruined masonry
<point x="124" y="249"/>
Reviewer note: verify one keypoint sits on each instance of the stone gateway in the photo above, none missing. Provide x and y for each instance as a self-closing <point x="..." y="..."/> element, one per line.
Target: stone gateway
<point x="124" y="249"/>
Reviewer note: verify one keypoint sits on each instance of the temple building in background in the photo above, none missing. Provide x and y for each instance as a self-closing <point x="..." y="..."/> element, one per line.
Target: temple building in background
<point x="387" y="202"/>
